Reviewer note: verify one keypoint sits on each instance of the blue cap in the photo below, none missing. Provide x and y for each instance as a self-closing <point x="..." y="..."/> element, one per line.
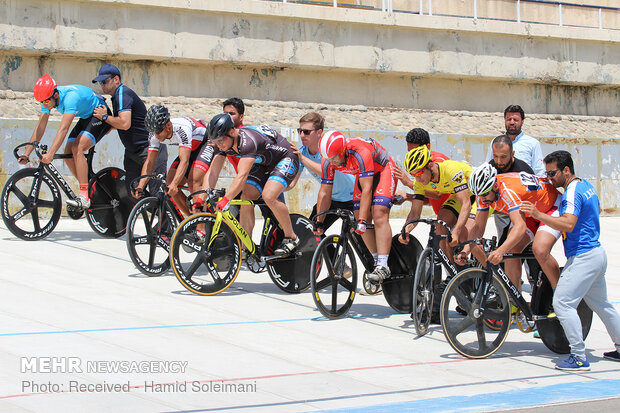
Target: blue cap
<point x="107" y="71"/>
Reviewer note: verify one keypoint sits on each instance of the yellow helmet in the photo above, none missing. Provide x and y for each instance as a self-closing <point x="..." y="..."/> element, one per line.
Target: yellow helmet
<point x="417" y="158"/>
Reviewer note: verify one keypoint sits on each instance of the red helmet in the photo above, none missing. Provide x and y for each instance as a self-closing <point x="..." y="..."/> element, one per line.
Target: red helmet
<point x="331" y="144"/>
<point x="44" y="88"/>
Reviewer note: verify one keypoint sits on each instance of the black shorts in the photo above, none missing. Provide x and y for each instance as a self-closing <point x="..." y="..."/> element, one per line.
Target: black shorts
<point x="200" y="158"/>
<point x="92" y="127"/>
<point x="284" y="172"/>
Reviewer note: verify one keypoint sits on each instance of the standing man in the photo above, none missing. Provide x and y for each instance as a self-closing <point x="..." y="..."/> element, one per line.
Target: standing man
<point x="72" y="101"/>
<point x="525" y="147"/>
<point x="310" y="130"/>
<point x="583" y="276"/>
<point x="128" y="118"/>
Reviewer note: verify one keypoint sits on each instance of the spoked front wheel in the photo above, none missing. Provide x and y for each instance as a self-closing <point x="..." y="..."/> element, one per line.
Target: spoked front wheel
<point x="422" y="293"/>
<point x="30" y="210"/>
<point x="333" y="277"/>
<point x="203" y="265"/>
<point x="149" y="231"/>
<point x="469" y="335"/>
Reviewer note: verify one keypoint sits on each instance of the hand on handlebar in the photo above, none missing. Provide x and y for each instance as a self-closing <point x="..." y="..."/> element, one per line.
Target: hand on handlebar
<point x="318" y="228"/>
<point x="47" y="158"/>
<point x="223" y="204"/>
<point x="23" y="159"/>
<point x="495" y="257"/>
<point x="137" y="192"/>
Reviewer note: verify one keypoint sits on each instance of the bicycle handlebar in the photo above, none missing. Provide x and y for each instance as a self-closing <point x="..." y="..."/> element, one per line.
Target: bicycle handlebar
<point x="429" y="221"/>
<point x="40" y="150"/>
<point x="160" y="177"/>
<point x="343" y="213"/>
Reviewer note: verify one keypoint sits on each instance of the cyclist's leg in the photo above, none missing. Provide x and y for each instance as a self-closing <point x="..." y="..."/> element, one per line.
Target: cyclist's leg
<point x="369" y="236"/>
<point x="512" y="267"/>
<point x="448" y="213"/>
<point x="250" y="192"/>
<point x="179" y="198"/>
<point x="71" y="142"/>
<point x="383" y="196"/>
<point x="544" y="240"/>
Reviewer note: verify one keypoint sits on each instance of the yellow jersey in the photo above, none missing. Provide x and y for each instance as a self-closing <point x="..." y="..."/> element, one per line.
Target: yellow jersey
<point x="453" y="176"/>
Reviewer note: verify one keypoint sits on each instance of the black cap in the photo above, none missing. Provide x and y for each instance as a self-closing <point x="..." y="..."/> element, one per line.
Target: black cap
<point x="106" y="71"/>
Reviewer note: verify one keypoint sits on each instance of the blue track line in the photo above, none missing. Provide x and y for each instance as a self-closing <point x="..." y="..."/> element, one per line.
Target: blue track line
<point x="528" y="397"/>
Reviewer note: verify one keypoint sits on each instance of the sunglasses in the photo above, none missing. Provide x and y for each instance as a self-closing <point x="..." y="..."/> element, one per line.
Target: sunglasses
<point x="305" y="131"/>
<point x="418" y="173"/>
<point x="104" y="81"/>
<point x="221" y="138"/>
<point x="552" y="173"/>
<point x="48" y="100"/>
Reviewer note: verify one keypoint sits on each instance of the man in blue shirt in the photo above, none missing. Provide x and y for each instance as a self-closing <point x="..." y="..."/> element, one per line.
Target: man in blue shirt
<point x="72" y="101"/>
<point x="310" y="130"/>
<point x="583" y="276"/>
<point x="128" y="116"/>
<point x="525" y="147"/>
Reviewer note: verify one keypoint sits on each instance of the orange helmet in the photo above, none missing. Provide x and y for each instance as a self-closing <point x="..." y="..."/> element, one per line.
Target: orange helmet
<point x="44" y="88"/>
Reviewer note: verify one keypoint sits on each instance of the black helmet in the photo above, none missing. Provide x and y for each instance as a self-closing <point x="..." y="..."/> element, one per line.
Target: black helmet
<point x="156" y="118"/>
<point x="220" y="125"/>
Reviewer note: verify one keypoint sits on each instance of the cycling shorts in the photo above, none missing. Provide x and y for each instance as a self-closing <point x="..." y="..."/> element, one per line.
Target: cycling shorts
<point x="200" y="158"/>
<point x="93" y="128"/>
<point x="383" y="188"/>
<point x="284" y="172"/>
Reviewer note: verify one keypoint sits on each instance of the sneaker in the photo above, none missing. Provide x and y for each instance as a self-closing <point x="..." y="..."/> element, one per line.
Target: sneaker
<point x="79" y="202"/>
<point x="612" y="355"/>
<point x="287" y="246"/>
<point x="573" y="363"/>
<point x="379" y="274"/>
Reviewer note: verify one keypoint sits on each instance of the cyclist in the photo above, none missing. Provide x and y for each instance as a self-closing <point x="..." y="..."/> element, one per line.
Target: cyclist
<point x="194" y="153"/>
<point x="583" y="276"/>
<point x="267" y="167"/>
<point x="419" y="137"/>
<point x="373" y="194"/>
<point x="446" y="177"/>
<point x="505" y="193"/>
<point x="71" y="101"/>
<point x="128" y="119"/>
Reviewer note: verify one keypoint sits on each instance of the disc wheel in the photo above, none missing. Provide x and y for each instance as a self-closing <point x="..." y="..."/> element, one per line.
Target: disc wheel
<point x="27" y="214"/>
<point x="149" y="229"/>
<point x="292" y="274"/>
<point x="110" y="204"/>
<point x="422" y="293"/>
<point x="468" y="335"/>
<point x="333" y="290"/>
<point x="204" y="266"/>
<point x="550" y="329"/>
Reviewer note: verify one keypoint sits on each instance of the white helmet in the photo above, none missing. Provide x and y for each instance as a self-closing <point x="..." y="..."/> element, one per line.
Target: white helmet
<point x="482" y="179"/>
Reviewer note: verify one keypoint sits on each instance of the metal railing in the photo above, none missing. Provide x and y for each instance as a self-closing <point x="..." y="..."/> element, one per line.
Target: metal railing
<point x="388" y="6"/>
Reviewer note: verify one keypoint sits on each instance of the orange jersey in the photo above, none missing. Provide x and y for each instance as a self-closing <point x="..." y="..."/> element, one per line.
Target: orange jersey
<point x="516" y="187"/>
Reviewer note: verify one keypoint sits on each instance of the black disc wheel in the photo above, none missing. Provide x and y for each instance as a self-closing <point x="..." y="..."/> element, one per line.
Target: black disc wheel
<point x="205" y="265"/>
<point x="30" y="204"/>
<point x="422" y="293"/>
<point x="470" y="334"/>
<point x="110" y="204"/>
<point x="149" y="230"/>
<point x="550" y="329"/>
<point x="333" y="277"/>
<point x="292" y="274"/>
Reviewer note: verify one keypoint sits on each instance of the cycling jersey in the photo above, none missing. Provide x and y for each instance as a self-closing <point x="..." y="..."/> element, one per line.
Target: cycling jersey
<point x="77" y="99"/>
<point x="365" y="158"/>
<point x="186" y="133"/>
<point x="516" y="187"/>
<point x="136" y="138"/>
<point x="453" y="176"/>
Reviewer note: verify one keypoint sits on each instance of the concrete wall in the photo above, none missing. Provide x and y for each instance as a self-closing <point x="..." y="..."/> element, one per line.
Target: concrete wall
<point x="282" y="51"/>
<point x="595" y="158"/>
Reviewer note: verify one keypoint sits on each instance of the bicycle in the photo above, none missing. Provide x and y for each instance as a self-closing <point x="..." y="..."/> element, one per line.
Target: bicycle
<point x="34" y="192"/>
<point x="209" y="265"/>
<point x="150" y="227"/>
<point x="485" y="296"/>
<point x="337" y="252"/>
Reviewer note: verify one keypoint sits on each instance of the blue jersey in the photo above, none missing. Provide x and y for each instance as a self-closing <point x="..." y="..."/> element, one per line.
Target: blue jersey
<point x="343" y="183"/>
<point x="136" y="137"/>
<point x="580" y="199"/>
<point x="77" y="99"/>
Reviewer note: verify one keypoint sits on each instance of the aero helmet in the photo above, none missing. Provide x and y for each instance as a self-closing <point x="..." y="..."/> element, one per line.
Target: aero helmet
<point x="156" y="118"/>
<point x="482" y="178"/>
<point x="417" y="158"/>
<point x="44" y="88"/>
<point x="220" y="125"/>
<point x="331" y="144"/>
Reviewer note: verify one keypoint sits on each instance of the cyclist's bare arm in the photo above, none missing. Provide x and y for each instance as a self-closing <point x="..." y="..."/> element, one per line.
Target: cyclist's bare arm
<point x="243" y="170"/>
<point x="515" y="235"/>
<point x="366" y="185"/>
<point x="213" y="174"/>
<point x="147" y="168"/>
<point x="65" y="124"/>
<point x="184" y="154"/>
<point x="121" y="122"/>
<point x="463" y="198"/>
<point x="322" y="203"/>
<point x="476" y="231"/>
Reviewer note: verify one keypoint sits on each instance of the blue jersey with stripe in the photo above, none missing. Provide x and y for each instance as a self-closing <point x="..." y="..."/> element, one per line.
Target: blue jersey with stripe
<point x="77" y="99"/>
<point x="580" y="199"/>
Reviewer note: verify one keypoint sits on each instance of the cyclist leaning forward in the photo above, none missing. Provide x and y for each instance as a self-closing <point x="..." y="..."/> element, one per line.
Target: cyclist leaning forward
<point x="194" y="153"/>
<point x="267" y="167"/>
<point x="505" y="193"/>
<point x="373" y="194"/>
<point x="445" y="177"/>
